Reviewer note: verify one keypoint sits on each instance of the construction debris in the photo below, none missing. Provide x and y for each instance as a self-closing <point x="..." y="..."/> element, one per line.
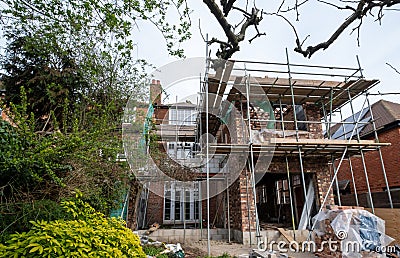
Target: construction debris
<point x="263" y="254"/>
<point x="152" y="228"/>
<point x="287" y="236"/>
<point x="350" y="232"/>
<point x="174" y="249"/>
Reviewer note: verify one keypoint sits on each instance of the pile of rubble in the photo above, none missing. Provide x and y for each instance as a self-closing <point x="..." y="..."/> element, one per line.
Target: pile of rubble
<point x="343" y="231"/>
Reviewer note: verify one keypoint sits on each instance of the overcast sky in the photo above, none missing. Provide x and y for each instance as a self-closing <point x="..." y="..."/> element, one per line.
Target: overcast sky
<point x="379" y="43"/>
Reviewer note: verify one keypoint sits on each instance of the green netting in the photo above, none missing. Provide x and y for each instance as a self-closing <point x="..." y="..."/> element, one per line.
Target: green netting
<point x="121" y="212"/>
<point x="266" y="106"/>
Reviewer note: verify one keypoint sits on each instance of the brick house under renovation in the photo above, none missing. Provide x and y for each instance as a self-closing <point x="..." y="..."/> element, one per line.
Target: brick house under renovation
<point x="271" y="128"/>
<point x="351" y="175"/>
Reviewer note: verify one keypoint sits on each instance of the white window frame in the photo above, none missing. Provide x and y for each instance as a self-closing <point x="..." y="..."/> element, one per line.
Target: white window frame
<point x="181" y="116"/>
<point x="174" y="188"/>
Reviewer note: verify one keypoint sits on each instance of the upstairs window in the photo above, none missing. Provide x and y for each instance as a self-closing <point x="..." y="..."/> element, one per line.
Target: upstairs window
<point x="182" y="116"/>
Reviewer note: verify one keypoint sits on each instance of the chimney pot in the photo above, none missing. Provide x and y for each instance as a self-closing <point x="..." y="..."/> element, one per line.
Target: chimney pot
<point x="153" y="81"/>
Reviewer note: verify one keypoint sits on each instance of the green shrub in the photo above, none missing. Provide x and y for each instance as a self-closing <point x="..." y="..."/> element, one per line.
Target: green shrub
<point x="89" y="234"/>
<point x="16" y="217"/>
<point x="152" y="250"/>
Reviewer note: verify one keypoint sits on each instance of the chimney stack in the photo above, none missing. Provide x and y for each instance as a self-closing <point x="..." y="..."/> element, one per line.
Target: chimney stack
<point x="155" y="92"/>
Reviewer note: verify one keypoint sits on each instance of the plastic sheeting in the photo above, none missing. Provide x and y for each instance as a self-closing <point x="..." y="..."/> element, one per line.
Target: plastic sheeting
<point x="358" y="232"/>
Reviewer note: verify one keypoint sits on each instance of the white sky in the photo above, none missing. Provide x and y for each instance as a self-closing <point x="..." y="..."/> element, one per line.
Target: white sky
<point x="379" y="43"/>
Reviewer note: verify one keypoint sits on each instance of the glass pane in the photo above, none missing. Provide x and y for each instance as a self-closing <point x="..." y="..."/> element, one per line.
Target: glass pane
<point x="167" y="207"/>
<point x="187" y="205"/>
<point x="177" y="205"/>
<point x="196" y="204"/>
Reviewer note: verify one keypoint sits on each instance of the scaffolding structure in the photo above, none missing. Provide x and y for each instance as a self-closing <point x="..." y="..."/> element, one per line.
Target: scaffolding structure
<point x="279" y="133"/>
<point x="331" y="95"/>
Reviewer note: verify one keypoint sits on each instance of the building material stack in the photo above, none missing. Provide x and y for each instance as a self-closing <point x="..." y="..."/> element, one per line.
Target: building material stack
<point x="346" y="231"/>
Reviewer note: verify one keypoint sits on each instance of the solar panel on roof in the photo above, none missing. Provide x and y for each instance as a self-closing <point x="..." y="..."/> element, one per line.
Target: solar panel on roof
<point x="346" y="130"/>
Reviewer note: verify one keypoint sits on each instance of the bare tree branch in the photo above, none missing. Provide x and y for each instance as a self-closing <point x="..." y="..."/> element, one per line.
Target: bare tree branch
<point x="359" y="10"/>
<point x="289" y="9"/>
<point x="338" y="7"/>
<point x="228" y="48"/>
<point x="363" y="7"/>
<point x="227" y="6"/>
<point x="397" y="71"/>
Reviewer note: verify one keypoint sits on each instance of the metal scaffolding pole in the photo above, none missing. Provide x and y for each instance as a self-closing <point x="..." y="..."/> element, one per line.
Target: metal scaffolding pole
<point x="228" y="210"/>
<point x="207" y="152"/>
<point x="354" y="182"/>
<point x="336" y="182"/>
<point x="380" y="154"/>
<point x="247" y="179"/>
<point x="361" y="151"/>
<point x="200" y="196"/>
<point x="337" y="170"/>
<point x="184" y="214"/>
<point x="297" y="137"/>
<point x="328" y="132"/>
<point x="281" y="112"/>
<point x="248" y="202"/>
<point x="291" y="197"/>
<point x="200" y="210"/>
<point x="251" y="164"/>
<point x="288" y="172"/>
<point x="350" y="165"/>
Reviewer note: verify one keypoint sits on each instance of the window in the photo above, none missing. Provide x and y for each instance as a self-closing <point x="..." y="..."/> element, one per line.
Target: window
<point x="282" y="192"/>
<point x="182" y="116"/>
<point x="301" y="116"/>
<point x="180" y="204"/>
<point x="167" y="205"/>
<point x="184" y="150"/>
<point x="262" y="194"/>
<point x="296" y="180"/>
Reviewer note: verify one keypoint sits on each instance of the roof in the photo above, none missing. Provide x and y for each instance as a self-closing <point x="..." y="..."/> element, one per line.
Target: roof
<point x="384" y="112"/>
<point x="282" y="89"/>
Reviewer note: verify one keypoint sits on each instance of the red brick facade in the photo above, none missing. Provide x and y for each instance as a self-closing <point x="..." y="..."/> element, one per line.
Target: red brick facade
<point x="391" y="158"/>
<point x="241" y="204"/>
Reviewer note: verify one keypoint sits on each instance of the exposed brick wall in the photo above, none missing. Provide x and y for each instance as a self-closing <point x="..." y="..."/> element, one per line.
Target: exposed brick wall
<point x="315" y="165"/>
<point x="241" y="194"/>
<point x="323" y="181"/>
<point x="214" y="201"/>
<point x="155" y="209"/>
<point x="155" y="92"/>
<point x="241" y="202"/>
<point x="161" y="116"/>
<point x="391" y="158"/>
<point x="234" y="205"/>
<point x="289" y="116"/>
<point x="313" y="113"/>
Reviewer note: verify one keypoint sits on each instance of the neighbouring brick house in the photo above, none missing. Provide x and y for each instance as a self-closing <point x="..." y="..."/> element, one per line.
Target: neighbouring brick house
<point x="387" y="122"/>
<point x="294" y="182"/>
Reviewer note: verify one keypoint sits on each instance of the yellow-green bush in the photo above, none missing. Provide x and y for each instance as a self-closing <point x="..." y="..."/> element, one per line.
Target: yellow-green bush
<point x="89" y="234"/>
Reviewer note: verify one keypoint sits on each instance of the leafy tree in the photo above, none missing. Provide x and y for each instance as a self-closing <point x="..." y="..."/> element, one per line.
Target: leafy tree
<point x="68" y="52"/>
<point x="74" y="62"/>
<point x="36" y="166"/>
